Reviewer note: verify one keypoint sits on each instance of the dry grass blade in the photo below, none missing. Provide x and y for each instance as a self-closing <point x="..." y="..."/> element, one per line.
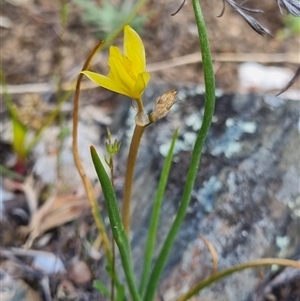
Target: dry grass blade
<point x="193" y="58"/>
<point x="31" y="190"/>
<point x="178" y="10"/>
<point x="56" y="211"/>
<point x="291" y="82"/>
<point x="213" y="253"/>
<point x="234" y="269"/>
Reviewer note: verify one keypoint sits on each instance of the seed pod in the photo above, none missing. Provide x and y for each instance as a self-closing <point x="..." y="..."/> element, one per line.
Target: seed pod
<point x="163" y="104"/>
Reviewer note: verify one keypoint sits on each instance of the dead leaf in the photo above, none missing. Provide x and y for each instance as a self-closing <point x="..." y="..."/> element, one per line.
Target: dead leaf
<point x="16" y="289"/>
<point x="66" y="291"/>
<point x="56" y="211"/>
<point x="8" y="287"/>
<point x="32" y="190"/>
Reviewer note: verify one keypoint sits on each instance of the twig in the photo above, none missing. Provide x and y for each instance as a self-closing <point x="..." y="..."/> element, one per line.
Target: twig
<point x="292" y="58"/>
<point x="291" y="82"/>
<point x="264" y="58"/>
<point x="213" y="253"/>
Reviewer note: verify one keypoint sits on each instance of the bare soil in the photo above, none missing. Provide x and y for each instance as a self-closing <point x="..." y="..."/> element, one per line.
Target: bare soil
<point x="36" y="48"/>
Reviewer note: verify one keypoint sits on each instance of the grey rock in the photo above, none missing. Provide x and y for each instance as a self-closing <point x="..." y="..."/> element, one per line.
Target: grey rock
<point x="246" y="193"/>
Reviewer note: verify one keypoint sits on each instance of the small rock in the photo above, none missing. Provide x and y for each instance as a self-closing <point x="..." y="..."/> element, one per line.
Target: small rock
<point x="79" y="272"/>
<point x="48" y="263"/>
<point x="259" y="78"/>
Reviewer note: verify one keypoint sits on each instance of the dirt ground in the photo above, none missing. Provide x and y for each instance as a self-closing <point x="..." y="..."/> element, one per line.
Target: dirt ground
<point x="35" y="48"/>
<point x="37" y="53"/>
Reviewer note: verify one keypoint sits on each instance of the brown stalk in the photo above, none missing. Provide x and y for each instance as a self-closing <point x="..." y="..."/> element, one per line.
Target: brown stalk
<point x="213" y="253"/>
<point x="133" y="150"/>
<point x="231" y="270"/>
<point x="85" y="180"/>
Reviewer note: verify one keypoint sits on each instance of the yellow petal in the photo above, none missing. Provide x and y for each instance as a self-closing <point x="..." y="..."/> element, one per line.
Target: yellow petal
<point x="127" y="74"/>
<point x="134" y="49"/>
<point x="118" y="72"/>
<point x="105" y="82"/>
<point x="115" y="54"/>
<point x="140" y="85"/>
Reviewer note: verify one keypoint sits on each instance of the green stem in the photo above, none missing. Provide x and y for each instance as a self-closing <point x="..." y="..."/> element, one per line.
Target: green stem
<point x="196" y="155"/>
<point x="133" y="151"/>
<point x="251" y="264"/>
<point x="113" y="262"/>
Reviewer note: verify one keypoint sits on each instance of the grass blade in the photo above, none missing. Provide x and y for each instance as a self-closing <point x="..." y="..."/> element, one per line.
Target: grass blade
<point x="196" y="155"/>
<point x="155" y="215"/>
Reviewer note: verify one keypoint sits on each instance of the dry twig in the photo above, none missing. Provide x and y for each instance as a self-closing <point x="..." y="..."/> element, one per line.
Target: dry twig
<point x="193" y="58"/>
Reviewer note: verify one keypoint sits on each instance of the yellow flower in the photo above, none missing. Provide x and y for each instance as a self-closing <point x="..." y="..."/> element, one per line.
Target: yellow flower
<point x="127" y="73"/>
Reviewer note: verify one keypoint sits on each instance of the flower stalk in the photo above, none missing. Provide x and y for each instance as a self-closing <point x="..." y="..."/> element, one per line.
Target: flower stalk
<point x="129" y="175"/>
<point x="127" y="76"/>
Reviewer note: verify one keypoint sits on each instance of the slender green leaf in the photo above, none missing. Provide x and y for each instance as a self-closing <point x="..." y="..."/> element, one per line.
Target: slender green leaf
<point x="100" y="287"/>
<point x="107" y="17"/>
<point x="126" y="21"/>
<point x="155" y="215"/>
<point x="196" y="155"/>
<point x="116" y="224"/>
<point x="19" y="129"/>
<point x="5" y="172"/>
<point x="120" y="293"/>
<point x="64" y="12"/>
<point x="49" y="119"/>
<point x="19" y="138"/>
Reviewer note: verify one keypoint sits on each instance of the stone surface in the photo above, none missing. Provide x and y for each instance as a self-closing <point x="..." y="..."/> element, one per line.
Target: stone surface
<point x="246" y="195"/>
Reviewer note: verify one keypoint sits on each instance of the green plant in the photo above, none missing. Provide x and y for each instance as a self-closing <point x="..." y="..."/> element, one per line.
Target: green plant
<point x="22" y="145"/>
<point x="291" y="28"/>
<point x="128" y="76"/>
<point x="293" y="23"/>
<point x="106" y="18"/>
